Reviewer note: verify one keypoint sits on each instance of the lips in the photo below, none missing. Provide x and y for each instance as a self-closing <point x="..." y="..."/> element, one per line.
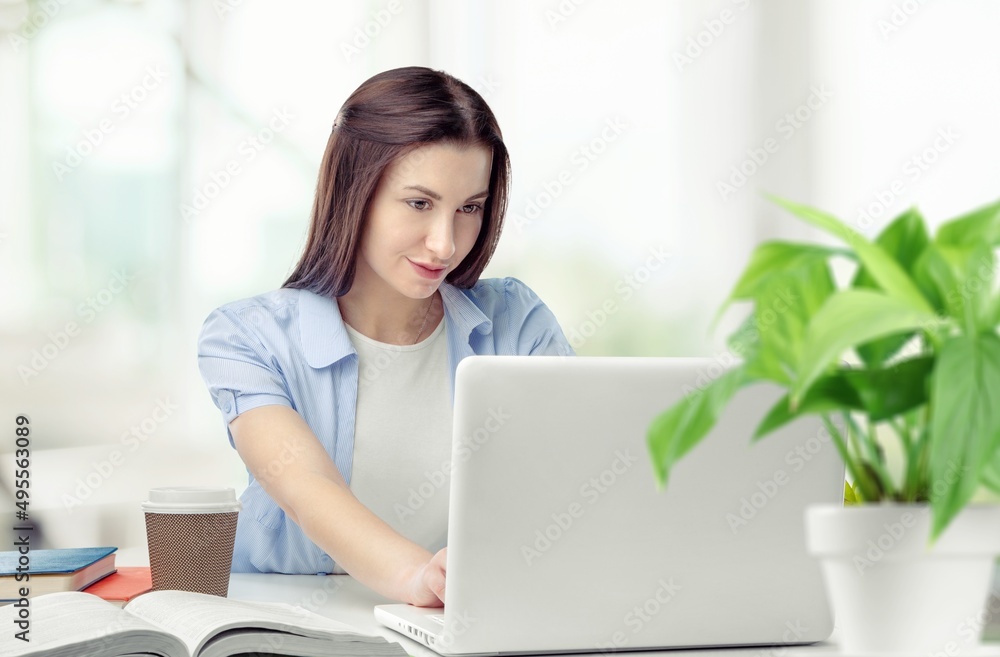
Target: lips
<point x="428" y="271"/>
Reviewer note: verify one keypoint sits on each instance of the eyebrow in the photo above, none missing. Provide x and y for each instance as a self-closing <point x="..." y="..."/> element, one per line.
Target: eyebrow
<point x="437" y="197"/>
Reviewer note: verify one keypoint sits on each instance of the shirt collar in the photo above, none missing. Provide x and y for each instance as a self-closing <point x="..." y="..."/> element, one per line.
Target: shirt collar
<point x="464" y="315"/>
<point x="325" y="340"/>
<point x="321" y="329"/>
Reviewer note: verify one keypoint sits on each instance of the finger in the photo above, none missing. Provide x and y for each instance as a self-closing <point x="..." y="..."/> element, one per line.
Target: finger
<point x="441" y="559"/>
<point x="435" y="581"/>
<point x="444" y="582"/>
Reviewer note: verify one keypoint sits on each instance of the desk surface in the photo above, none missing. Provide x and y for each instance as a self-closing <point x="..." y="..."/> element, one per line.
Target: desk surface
<point x="341" y="597"/>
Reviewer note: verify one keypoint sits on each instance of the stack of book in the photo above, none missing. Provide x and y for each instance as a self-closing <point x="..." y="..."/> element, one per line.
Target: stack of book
<point x="51" y="571"/>
<point x="123" y="586"/>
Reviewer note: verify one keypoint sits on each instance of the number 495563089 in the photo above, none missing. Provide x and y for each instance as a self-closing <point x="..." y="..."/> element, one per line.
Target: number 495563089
<point x="22" y="461"/>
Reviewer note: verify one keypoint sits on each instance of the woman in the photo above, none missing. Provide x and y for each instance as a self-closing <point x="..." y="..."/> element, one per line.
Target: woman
<point x="337" y="388"/>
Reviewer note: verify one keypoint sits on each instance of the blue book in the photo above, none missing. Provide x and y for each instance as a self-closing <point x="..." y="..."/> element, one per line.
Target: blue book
<point x="51" y="571"/>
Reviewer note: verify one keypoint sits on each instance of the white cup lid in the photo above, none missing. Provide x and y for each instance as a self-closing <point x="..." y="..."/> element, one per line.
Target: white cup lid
<point x="191" y="499"/>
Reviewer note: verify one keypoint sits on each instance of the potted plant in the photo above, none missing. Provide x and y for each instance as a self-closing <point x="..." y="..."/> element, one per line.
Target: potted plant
<point x="903" y="352"/>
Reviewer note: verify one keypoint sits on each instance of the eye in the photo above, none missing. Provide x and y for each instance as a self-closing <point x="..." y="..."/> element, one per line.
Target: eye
<point x="419" y="204"/>
<point x="472" y="208"/>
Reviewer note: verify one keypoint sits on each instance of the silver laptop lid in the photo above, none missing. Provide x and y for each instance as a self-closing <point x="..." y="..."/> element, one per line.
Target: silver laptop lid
<point x="559" y="540"/>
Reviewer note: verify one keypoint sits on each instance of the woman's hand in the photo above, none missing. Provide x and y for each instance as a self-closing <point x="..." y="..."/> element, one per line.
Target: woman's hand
<point x="427" y="583"/>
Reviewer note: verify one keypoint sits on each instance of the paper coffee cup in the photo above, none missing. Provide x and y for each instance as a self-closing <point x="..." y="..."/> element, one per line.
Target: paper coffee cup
<point x="190" y="532"/>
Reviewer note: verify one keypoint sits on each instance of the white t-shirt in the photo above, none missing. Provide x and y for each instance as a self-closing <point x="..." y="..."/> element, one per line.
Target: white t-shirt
<point x="402" y="435"/>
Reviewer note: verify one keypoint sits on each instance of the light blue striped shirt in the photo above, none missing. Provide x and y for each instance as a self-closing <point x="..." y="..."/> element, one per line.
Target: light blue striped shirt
<point x="290" y="347"/>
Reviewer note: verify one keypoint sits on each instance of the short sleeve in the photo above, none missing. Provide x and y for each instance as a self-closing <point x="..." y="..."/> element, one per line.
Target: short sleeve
<point x="240" y="372"/>
<point x="538" y="332"/>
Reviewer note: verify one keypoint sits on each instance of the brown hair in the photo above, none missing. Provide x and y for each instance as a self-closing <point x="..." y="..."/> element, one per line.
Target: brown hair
<point x="388" y="116"/>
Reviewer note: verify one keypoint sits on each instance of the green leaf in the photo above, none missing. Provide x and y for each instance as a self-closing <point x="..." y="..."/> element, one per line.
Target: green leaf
<point x="993" y="311"/>
<point x="965" y="426"/>
<point x="771" y="339"/>
<point x="778" y="258"/>
<point x="904" y="239"/>
<point x="829" y="393"/>
<point x="981" y="226"/>
<point x="963" y="278"/>
<point x="991" y="474"/>
<point x="925" y="281"/>
<point x="850" y="497"/>
<point x="850" y="318"/>
<point x="879" y="264"/>
<point x="678" y="429"/>
<point x="894" y="390"/>
<point x="880" y="393"/>
<point x="787" y="283"/>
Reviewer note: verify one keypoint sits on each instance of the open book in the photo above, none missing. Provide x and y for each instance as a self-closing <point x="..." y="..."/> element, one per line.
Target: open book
<point x="180" y="624"/>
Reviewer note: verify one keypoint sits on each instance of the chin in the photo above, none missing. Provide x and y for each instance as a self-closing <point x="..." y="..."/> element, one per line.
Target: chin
<point x="419" y="290"/>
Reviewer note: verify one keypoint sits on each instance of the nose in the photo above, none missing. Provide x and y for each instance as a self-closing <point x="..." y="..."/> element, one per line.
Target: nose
<point x="440" y="239"/>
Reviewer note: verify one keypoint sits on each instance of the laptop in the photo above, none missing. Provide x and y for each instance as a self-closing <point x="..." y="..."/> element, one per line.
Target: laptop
<point x="559" y="541"/>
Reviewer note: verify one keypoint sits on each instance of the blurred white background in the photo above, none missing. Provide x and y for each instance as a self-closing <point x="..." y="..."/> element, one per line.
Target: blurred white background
<point x="158" y="159"/>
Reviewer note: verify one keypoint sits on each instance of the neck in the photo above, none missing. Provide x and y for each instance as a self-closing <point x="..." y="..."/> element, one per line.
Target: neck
<point x="393" y="319"/>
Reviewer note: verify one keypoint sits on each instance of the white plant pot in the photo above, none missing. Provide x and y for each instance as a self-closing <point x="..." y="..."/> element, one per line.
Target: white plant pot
<point x="892" y="593"/>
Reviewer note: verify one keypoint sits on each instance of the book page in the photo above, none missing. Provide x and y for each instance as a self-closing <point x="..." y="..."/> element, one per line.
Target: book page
<point x="247" y="643"/>
<point x="196" y="617"/>
<point x="77" y="623"/>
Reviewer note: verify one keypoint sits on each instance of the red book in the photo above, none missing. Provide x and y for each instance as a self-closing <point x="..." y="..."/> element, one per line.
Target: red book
<point x="122" y="586"/>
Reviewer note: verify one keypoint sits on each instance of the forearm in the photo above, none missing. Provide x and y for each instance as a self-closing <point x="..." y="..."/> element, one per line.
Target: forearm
<point x="310" y="489"/>
<point x="358" y="540"/>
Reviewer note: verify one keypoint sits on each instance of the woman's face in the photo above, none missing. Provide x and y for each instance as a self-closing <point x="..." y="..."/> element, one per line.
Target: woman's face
<point x="424" y="219"/>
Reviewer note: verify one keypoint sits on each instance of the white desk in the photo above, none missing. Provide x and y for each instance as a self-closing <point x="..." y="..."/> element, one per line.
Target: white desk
<point x="342" y="598"/>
